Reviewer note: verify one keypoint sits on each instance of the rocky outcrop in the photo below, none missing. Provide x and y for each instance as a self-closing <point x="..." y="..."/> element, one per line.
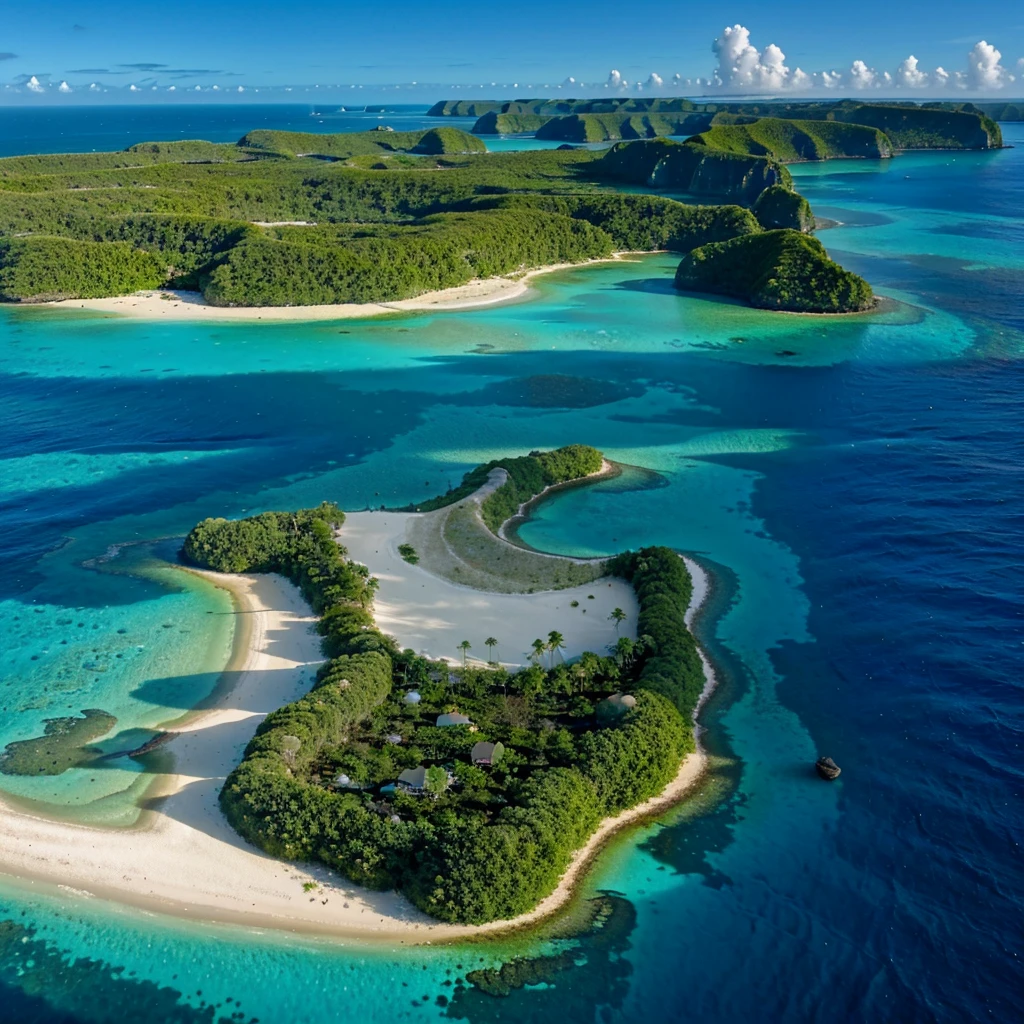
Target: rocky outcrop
<point x="828" y="769"/>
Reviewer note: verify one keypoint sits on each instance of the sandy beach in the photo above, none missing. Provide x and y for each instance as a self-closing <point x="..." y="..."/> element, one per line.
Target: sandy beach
<point x="184" y="859"/>
<point x="433" y="615"/>
<point x="182" y="305"/>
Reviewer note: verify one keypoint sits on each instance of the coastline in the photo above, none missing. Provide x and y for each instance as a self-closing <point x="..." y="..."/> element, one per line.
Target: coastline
<point x="182" y="305"/>
<point x="183" y="859"/>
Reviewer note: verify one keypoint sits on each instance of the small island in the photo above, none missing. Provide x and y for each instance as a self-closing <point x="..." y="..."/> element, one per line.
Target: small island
<point x="466" y="786"/>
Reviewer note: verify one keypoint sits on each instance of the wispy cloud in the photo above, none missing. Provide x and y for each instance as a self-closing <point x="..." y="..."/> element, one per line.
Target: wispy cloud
<point x="7" y="56"/>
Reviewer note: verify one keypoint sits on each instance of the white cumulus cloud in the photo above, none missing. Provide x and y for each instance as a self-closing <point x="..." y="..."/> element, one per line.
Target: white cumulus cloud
<point x="34" y="85"/>
<point x="63" y="87"/>
<point x="983" y="68"/>
<point x="744" y="68"/>
<point x="861" y="76"/>
<point x="655" y="81"/>
<point x="910" y="76"/>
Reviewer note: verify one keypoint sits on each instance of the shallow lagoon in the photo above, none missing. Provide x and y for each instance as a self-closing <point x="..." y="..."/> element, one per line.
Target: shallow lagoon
<point x="860" y="500"/>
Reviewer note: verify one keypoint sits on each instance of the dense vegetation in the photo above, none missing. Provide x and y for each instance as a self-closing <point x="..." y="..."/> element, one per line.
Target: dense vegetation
<point x="495" y="123"/>
<point x="933" y="125"/>
<point x="639" y="223"/>
<point x="312" y="266"/>
<point x="479" y="842"/>
<point x="693" y="168"/>
<point x="528" y="475"/>
<point x="613" y="127"/>
<point x="289" y="218"/>
<point x="780" y="207"/>
<point x="788" y="140"/>
<point x="42" y="269"/>
<point x="784" y="270"/>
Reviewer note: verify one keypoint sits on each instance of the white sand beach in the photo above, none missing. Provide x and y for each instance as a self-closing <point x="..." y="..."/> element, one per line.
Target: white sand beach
<point x="184" y="859"/>
<point x="183" y="305"/>
<point x="433" y="616"/>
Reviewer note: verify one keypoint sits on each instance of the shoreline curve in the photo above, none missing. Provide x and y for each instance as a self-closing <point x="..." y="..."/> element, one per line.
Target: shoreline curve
<point x="169" y="305"/>
<point x="182" y="859"/>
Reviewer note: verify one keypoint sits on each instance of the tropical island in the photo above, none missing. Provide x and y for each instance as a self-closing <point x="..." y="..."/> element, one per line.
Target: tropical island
<point x="897" y="126"/>
<point x="286" y="219"/>
<point x="468" y="788"/>
<point x="289" y="219"/>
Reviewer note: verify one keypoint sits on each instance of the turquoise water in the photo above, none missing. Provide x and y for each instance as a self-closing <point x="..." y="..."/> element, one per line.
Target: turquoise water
<point x="854" y="485"/>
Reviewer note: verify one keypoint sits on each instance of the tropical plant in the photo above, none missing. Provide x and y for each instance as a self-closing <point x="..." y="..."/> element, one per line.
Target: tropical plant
<point x="539" y="647"/>
<point x="618" y="616"/>
<point x="490" y="643"/>
<point x="555" y="644"/>
<point x="465" y="647"/>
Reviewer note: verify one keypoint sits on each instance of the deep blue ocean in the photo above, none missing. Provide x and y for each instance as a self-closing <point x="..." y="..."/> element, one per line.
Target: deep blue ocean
<point x="856" y="486"/>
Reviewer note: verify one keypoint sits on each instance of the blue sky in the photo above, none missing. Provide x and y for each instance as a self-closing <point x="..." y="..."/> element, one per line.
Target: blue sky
<point x="189" y="43"/>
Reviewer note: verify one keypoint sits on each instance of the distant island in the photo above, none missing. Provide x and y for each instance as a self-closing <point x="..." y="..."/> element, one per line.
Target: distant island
<point x="936" y="125"/>
<point x="292" y="219"/>
<point x="467" y="787"/>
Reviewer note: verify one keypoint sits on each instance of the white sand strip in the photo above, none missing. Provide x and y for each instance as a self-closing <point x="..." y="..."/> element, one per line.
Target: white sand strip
<point x="185" y="860"/>
<point x="182" y="305"/>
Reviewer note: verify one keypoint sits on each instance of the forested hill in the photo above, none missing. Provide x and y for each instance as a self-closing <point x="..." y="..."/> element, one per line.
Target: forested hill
<point x="289" y="218"/>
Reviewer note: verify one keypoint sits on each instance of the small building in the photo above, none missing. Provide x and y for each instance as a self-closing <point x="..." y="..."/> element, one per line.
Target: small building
<point x="412" y="697"/>
<point x="414" y="780"/>
<point x="487" y="753"/>
<point x="452" y="718"/>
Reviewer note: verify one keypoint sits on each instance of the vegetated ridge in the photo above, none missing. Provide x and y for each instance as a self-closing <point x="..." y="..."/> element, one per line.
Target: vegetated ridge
<point x="289" y="218"/>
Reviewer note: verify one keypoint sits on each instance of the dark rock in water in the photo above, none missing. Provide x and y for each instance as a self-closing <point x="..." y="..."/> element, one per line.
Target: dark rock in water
<point x="827" y="768"/>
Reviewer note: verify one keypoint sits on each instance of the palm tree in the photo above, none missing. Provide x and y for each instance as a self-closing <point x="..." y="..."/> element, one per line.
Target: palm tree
<point x="623" y="650"/>
<point x="490" y="643"/>
<point x="618" y="616"/>
<point x="555" y="644"/>
<point x="539" y="647"/>
<point x="465" y="647"/>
